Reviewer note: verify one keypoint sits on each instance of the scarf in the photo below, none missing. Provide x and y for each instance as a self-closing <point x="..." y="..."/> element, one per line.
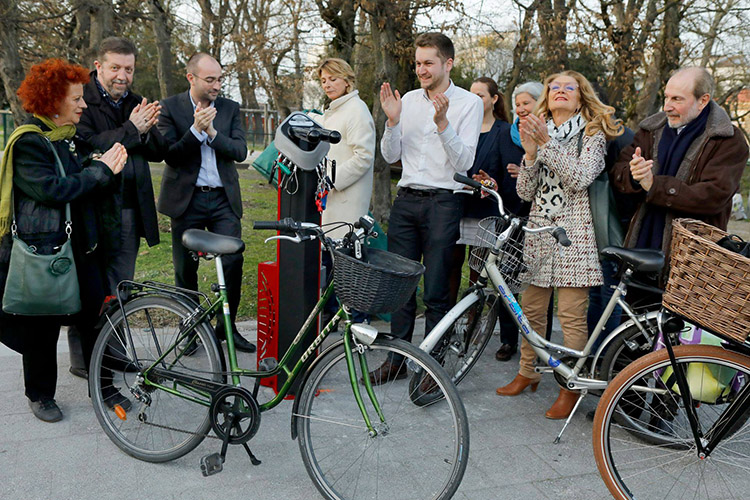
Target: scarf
<point x="515" y="134"/>
<point x="550" y="196"/>
<point x="108" y="98"/>
<point x="567" y="130"/>
<point x="671" y="151"/>
<point x="6" y="167"/>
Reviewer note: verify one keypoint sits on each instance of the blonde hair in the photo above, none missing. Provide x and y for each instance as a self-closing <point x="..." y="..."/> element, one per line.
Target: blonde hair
<point x="340" y="69"/>
<point x="599" y="116"/>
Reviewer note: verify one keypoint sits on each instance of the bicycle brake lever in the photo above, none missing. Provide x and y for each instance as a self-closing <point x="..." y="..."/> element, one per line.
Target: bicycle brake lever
<point x="293" y="239"/>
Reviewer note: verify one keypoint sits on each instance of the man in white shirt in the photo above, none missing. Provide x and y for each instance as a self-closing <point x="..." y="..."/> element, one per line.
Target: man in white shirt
<point x="434" y="132"/>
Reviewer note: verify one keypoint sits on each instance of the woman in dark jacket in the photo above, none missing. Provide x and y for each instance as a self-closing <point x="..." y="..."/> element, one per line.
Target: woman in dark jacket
<point x="53" y="92"/>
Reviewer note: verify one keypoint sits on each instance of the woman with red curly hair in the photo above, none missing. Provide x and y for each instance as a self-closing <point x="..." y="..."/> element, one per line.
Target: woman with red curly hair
<point x="32" y="199"/>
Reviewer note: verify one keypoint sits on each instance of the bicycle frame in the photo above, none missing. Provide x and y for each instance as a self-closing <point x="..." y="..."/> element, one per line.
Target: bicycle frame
<point x="205" y="387"/>
<point x="541" y="346"/>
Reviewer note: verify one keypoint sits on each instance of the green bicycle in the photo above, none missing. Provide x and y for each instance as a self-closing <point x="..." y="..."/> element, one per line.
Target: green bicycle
<point x="359" y="437"/>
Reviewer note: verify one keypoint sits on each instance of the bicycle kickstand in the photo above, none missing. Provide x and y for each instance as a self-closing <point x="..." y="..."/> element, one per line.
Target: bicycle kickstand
<point x="570" y="417"/>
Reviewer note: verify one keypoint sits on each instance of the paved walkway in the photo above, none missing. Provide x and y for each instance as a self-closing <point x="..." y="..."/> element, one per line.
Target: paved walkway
<point x="512" y="455"/>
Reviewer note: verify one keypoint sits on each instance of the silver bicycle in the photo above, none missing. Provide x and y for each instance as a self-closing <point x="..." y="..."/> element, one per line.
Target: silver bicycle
<point x="459" y="338"/>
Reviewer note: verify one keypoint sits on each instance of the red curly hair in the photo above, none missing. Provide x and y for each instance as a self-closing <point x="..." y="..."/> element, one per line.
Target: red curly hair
<point x="46" y="85"/>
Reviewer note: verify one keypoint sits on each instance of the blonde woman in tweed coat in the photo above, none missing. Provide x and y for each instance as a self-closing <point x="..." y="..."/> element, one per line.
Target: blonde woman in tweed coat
<point x="555" y="178"/>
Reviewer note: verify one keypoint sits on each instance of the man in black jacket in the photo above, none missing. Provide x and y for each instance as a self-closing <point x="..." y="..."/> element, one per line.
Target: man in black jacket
<point x="116" y="114"/>
<point x="200" y="187"/>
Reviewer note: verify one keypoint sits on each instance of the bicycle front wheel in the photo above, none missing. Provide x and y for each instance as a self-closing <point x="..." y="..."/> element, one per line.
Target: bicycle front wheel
<point x="461" y="346"/>
<point x="158" y="425"/>
<point x="418" y="453"/>
<point x="655" y="456"/>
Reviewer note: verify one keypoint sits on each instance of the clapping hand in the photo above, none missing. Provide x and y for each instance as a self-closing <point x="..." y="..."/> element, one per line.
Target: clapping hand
<point x="533" y="134"/>
<point x="441" y="104"/>
<point x="115" y="158"/>
<point x="641" y="170"/>
<point x="203" y="119"/>
<point x="145" y="115"/>
<point x="513" y="170"/>
<point x="390" y="103"/>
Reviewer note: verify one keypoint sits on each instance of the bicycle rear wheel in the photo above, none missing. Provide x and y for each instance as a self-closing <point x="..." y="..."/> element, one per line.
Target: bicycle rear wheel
<point x="655" y="455"/>
<point x="461" y="346"/>
<point x="159" y="426"/>
<point x="419" y="452"/>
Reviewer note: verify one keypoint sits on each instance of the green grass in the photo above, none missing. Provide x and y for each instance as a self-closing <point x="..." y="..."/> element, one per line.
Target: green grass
<point x="258" y="203"/>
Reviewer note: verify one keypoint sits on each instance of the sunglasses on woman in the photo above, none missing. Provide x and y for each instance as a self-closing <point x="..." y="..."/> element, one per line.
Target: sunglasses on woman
<point x="555" y="87"/>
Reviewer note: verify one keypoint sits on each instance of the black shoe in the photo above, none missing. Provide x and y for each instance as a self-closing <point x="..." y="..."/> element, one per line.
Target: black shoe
<point x="79" y="372"/>
<point x="505" y="352"/>
<point x="241" y="344"/>
<point x="590" y="415"/>
<point x="46" y="409"/>
<point x="239" y="341"/>
<point x="113" y="397"/>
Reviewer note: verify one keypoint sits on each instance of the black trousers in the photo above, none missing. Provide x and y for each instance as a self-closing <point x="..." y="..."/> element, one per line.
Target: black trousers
<point x="209" y="211"/>
<point x="425" y="228"/>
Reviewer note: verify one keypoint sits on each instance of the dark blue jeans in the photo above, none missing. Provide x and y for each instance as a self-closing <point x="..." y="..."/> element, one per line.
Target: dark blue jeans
<point x="425" y="228"/>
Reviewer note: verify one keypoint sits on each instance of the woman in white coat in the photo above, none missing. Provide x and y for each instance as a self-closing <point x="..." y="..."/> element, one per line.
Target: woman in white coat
<point x="354" y="154"/>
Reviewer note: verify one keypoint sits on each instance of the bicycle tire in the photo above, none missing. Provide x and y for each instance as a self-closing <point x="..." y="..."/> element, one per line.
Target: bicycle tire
<point x="147" y="432"/>
<point x="461" y="346"/>
<point x="670" y="466"/>
<point x="420" y="452"/>
<point x="630" y="345"/>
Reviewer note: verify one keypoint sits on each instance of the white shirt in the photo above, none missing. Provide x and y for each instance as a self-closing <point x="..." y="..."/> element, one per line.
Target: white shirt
<point x="428" y="158"/>
<point x="208" y="175"/>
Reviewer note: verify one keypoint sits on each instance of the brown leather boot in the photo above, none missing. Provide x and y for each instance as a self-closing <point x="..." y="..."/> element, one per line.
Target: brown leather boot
<point x="564" y="404"/>
<point x="517" y="386"/>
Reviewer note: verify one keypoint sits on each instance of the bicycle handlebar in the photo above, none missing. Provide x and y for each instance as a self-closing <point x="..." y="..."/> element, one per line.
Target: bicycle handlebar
<point x="467" y="180"/>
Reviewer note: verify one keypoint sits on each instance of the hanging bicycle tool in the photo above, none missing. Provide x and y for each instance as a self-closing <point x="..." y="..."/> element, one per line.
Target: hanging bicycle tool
<point x="325" y="184"/>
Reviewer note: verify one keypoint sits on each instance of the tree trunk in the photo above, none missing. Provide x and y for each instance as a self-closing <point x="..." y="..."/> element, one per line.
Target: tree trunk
<point x="719" y="16"/>
<point x="666" y="59"/>
<point x="518" y="52"/>
<point x="207" y="18"/>
<point x="340" y="15"/>
<point x="553" y="28"/>
<point x="11" y="70"/>
<point x="628" y="48"/>
<point x="102" y="19"/>
<point x="162" y="33"/>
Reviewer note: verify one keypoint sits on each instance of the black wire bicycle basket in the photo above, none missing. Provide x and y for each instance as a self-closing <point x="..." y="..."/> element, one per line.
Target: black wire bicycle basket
<point x="517" y="261"/>
<point x="381" y="284"/>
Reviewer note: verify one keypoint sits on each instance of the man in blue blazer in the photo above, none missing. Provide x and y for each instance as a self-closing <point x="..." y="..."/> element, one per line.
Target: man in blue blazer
<point x="200" y="187"/>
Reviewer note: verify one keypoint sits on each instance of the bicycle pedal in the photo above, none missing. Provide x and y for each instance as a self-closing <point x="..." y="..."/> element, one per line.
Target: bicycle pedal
<point x="212" y="464"/>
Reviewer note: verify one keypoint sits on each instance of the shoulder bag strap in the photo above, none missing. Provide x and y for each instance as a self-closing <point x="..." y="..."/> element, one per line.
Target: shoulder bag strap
<point x="61" y="171"/>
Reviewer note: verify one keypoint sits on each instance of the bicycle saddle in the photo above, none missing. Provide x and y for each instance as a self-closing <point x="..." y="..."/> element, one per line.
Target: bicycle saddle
<point x="641" y="259"/>
<point x="204" y="241"/>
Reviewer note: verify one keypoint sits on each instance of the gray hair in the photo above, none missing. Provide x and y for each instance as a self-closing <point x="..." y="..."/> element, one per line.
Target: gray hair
<point x="534" y="89"/>
<point x="702" y="79"/>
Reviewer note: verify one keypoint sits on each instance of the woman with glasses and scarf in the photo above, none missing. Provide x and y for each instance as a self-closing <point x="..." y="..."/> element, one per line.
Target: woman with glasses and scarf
<point x="565" y="144"/>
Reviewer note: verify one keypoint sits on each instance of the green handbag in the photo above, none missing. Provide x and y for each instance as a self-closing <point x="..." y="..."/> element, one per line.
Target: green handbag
<point x="42" y="285"/>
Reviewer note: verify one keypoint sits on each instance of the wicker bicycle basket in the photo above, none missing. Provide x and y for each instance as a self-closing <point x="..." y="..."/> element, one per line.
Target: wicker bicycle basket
<point x="708" y="284"/>
<point x="516" y="261"/>
<point x="382" y="284"/>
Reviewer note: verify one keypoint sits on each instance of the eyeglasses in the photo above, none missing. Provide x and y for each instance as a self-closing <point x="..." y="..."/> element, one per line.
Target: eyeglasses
<point x="210" y="80"/>
<point x="556" y="87"/>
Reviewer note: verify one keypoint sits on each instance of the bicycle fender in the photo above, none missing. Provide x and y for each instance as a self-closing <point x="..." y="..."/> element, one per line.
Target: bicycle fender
<point x="306" y="375"/>
<point x="651" y="315"/>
